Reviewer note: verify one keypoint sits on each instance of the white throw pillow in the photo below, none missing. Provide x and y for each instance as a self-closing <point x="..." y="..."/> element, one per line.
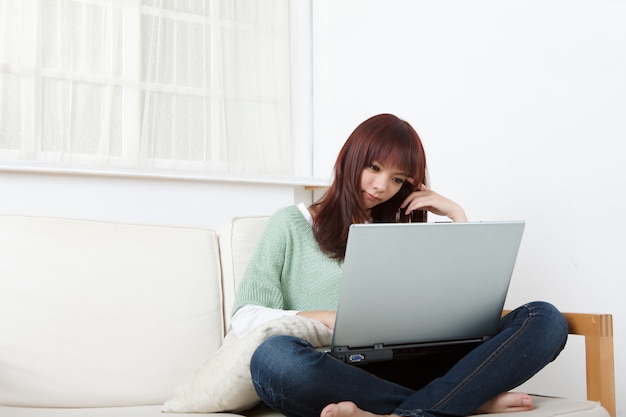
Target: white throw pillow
<point x="223" y="383"/>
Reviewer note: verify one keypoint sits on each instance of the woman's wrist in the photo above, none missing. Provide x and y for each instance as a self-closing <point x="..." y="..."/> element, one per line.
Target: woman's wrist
<point x="325" y="317"/>
<point x="458" y="215"/>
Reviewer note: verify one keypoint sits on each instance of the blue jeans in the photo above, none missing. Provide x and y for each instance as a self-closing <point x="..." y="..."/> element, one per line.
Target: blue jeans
<point x="293" y="378"/>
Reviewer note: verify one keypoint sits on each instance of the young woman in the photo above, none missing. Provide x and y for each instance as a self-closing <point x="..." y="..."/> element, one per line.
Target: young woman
<point x="380" y="176"/>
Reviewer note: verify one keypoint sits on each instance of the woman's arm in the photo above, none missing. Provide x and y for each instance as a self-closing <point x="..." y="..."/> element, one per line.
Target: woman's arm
<point x="261" y="283"/>
<point x="327" y="318"/>
<point x="251" y="316"/>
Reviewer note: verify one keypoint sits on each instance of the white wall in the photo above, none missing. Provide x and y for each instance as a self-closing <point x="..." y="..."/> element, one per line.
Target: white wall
<point x="181" y="202"/>
<point x="521" y="106"/>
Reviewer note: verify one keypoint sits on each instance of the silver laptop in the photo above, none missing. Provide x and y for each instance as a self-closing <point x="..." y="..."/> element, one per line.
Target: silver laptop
<point x="422" y="285"/>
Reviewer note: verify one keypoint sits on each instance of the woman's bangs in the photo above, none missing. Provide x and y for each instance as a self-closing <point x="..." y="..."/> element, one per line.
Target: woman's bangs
<point x="400" y="156"/>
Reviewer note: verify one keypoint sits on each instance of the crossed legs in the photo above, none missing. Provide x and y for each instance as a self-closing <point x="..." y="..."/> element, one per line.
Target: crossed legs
<point x="293" y="378"/>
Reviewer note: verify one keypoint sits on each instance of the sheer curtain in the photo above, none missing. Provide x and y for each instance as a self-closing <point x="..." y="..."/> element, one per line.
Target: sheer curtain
<point x="147" y="84"/>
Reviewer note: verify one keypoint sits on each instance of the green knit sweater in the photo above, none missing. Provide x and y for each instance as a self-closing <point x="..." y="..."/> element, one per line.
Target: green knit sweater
<point x="288" y="270"/>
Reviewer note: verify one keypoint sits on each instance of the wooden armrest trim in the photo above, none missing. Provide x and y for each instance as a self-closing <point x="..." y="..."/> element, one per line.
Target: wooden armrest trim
<point x="596" y="325"/>
<point x="599" y="356"/>
<point x="598" y="332"/>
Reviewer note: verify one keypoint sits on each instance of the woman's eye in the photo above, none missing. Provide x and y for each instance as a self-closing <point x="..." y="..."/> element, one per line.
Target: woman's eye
<point x="374" y="167"/>
<point x="399" y="181"/>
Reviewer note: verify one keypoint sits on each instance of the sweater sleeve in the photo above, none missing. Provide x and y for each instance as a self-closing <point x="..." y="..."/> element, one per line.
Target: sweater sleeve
<point x="261" y="283"/>
<point x="248" y="317"/>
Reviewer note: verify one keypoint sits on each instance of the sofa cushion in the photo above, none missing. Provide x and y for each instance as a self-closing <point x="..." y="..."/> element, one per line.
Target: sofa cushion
<point x="238" y="239"/>
<point x="136" y="411"/>
<point x="96" y="314"/>
<point x="545" y="407"/>
<point x="224" y="383"/>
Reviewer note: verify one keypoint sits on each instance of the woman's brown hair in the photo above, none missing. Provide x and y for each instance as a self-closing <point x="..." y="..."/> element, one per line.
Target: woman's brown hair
<point x="384" y="138"/>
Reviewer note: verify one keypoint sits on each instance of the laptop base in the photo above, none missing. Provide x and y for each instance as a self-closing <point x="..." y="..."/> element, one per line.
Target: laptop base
<point x="380" y="353"/>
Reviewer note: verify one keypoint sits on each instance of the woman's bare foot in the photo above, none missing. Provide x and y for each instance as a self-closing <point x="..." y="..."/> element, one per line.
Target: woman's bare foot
<point x="346" y="409"/>
<point x="507" y="402"/>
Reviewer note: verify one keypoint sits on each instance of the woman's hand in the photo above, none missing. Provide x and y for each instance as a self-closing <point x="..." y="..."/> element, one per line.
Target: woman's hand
<point x="326" y="317"/>
<point x="427" y="199"/>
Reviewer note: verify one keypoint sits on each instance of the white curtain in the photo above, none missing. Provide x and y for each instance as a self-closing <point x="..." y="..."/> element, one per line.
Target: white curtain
<point x="147" y="84"/>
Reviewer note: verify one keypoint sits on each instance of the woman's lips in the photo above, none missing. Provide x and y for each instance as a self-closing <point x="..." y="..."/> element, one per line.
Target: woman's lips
<point x="370" y="197"/>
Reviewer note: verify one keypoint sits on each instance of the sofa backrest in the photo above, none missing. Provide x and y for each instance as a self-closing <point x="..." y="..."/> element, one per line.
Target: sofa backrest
<point x="104" y="314"/>
<point x="238" y="239"/>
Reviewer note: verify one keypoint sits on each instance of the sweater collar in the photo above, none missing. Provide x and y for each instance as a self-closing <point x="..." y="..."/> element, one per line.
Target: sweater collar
<point x="305" y="212"/>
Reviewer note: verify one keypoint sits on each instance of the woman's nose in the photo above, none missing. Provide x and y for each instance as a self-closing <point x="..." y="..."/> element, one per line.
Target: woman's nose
<point x="379" y="184"/>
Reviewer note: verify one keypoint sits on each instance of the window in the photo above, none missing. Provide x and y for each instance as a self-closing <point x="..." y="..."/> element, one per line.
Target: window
<point x="202" y="85"/>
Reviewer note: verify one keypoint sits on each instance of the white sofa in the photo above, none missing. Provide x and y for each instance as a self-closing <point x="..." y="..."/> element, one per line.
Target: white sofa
<point x="107" y="319"/>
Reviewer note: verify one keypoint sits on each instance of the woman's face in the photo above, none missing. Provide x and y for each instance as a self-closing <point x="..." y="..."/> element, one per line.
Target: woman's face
<point x="379" y="183"/>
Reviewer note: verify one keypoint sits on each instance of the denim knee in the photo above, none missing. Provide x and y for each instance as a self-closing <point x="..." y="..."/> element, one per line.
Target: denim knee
<point x="277" y="359"/>
<point x="276" y="350"/>
<point x="551" y="324"/>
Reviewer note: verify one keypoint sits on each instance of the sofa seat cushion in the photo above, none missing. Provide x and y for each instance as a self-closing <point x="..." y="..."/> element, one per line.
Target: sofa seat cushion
<point x="137" y="411"/>
<point x="544" y="407"/>
<point x="552" y="407"/>
<point x="99" y="314"/>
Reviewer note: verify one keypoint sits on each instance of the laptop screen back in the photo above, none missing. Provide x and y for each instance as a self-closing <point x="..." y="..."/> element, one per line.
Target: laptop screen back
<point x="424" y="282"/>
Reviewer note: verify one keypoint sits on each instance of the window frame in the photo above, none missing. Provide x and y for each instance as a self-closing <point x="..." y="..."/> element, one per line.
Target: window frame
<point x="133" y="88"/>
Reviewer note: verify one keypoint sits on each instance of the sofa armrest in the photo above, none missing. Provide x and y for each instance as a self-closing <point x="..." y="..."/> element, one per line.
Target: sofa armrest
<point x="600" y="367"/>
<point x="598" y="332"/>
